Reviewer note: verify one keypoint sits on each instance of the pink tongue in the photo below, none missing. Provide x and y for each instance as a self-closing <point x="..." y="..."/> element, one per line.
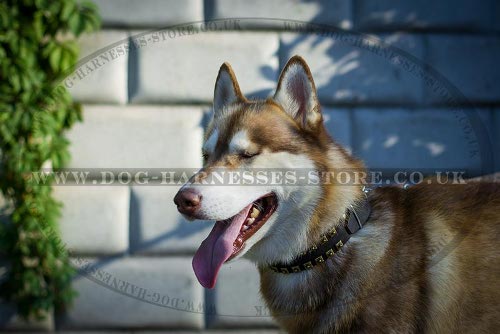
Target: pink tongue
<point x="217" y="248"/>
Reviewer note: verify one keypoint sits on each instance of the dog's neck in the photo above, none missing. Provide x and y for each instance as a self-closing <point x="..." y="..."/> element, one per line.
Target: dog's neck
<point x="336" y="198"/>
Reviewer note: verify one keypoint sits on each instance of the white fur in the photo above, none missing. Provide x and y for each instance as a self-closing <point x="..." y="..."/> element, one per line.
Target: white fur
<point x="239" y="142"/>
<point x="282" y="241"/>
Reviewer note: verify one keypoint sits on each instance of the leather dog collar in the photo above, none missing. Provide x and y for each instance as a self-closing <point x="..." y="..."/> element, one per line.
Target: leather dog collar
<point x="330" y="242"/>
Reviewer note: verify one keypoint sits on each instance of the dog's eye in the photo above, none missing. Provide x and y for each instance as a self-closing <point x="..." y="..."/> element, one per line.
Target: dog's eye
<point x="205" y="155"/>
<point x="247" y="154"/>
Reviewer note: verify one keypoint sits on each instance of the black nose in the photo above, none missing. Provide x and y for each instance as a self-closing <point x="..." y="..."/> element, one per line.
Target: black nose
<point x="188" y="201"/>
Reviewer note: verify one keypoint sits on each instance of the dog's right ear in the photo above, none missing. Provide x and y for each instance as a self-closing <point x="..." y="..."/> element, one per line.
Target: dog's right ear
<point x="227" y="90"/>
<point x="296" y="92"/>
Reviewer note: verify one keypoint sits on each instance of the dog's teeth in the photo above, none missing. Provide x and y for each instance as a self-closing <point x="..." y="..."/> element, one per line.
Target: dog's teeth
<point x="250" y="221"/>
<point x="255" y="212"/>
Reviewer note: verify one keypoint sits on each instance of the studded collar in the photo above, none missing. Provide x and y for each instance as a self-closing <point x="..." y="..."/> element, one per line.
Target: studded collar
<point x="331" y="242"/>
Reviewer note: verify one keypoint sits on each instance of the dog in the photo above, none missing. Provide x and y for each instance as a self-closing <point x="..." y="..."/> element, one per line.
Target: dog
<point x="332" y="257"/>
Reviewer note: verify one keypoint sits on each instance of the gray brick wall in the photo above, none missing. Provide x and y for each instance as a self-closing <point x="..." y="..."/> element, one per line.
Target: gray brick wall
<point x="146" y="94"/>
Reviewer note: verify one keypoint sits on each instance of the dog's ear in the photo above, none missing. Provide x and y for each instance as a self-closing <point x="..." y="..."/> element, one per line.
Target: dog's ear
<point x="296" y="93"/>
<point x="227" y="90"/>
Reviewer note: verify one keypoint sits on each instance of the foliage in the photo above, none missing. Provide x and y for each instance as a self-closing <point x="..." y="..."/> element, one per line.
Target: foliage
<point x="37" y="50"/>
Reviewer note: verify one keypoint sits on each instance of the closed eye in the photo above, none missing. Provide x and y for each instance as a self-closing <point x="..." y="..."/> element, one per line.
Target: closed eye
<point x="247" y="154"/>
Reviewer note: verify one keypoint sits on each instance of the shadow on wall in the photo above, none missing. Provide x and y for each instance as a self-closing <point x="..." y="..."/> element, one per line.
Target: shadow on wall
<point x="397" y="120"/>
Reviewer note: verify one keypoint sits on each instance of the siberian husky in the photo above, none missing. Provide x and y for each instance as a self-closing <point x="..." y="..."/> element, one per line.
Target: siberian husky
<point x="332" y="257"/>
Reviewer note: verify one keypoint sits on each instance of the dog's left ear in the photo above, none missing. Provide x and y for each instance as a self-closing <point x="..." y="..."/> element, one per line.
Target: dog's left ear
<point x="296" y="93"/>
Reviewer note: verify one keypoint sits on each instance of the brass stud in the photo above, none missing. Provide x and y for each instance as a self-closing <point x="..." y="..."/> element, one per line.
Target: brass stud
<point x="330" y="252"/>
<point x="333" y="231"/>
<point x="339" y="244"/>
<point x="308" y="265"/>
<point x="275" y="269"/>
<point x="324" y="239"/>
<point x="296" y="269"/>
<point x="319" y="259"/>
<point x="314" y="247"/>
<point x="284" y="271"/>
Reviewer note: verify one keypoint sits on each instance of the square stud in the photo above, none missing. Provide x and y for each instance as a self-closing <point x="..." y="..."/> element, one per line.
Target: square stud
<point x="275" y="269"/>
<point x="324" y="239"/>
<point x="284" y="271"/>
<point x="339" y="244"/>
<point x="319" y="259"/>
<point x="295" y="269"/>
<point x="308" y="265"/>
<point x="330" y="252"/>
<point x="333" y="231"/>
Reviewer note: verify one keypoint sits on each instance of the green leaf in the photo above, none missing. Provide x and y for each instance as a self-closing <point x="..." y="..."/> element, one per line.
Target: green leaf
<point x="55" y="59"/>
<point x="68" y="8"/>
<point x="38" y="26"/>
<point x="75" y="23"/>
<point x="15" y="80"/>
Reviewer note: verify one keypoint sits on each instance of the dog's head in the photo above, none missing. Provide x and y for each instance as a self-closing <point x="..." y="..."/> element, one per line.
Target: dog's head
<point x="264" y="218"/>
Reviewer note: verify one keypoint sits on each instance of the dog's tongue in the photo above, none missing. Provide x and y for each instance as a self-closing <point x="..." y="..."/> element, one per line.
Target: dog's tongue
<point x="217" y="248"/>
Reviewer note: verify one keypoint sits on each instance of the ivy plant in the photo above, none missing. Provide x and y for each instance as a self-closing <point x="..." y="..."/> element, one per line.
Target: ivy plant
<point x="37" y="50"/>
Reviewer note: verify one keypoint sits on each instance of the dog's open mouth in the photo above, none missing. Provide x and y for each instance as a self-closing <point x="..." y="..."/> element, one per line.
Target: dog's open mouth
<point x="256" y="217"/>
<point x="228" y="237"/>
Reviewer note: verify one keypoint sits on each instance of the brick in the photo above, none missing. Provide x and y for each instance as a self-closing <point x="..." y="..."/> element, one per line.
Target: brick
<point x="149" y="13"/>
<point x="184" y="68"/>
<point x="468" y="62"/>
<point x="158" y="228"/>
<point x="409" y="139"/>
<point x="95" y="219"/>
<point x="101" y="76"/>
<point x="427" y="14"/>
<point x="346" y="73"/>
<point x="137" y="137"/>
<point x="338" y="123"/>
<point x="10" y="320"/>
<point x="336" y="13"/>
<point x="130" y="293"/>
<point x="237" y="298"/>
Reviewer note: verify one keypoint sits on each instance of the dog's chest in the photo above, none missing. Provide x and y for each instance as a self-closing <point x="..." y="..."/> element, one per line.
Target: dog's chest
<point x="305" y="302"/>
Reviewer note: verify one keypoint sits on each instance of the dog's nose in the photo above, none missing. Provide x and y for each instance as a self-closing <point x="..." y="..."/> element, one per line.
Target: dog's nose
<point x="188" y="201"/>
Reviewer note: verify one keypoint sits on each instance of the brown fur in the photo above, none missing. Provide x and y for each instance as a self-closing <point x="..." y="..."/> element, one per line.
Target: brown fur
<point x="397" y="293"/>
